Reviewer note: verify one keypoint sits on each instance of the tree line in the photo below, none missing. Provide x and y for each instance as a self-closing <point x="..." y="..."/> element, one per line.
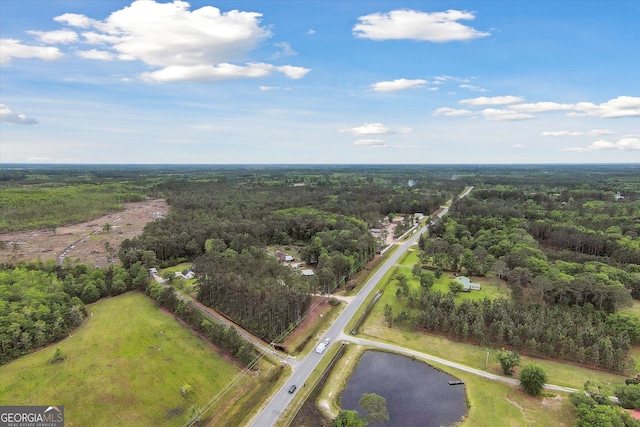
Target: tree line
<point x="224" y="337"/>
<point x="40" y="303"/>
<point x="579" y="334"/>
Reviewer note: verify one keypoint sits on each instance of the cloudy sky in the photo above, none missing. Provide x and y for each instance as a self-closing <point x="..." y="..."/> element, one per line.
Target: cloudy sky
<point x="230" y="82"/>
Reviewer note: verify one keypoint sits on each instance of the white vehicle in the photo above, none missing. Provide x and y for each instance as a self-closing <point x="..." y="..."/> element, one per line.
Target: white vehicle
<point x="320" y="348"/>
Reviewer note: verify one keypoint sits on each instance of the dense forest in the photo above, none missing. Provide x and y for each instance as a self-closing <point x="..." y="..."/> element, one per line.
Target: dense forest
<point x="225" y="220"/>
<point x="567" y="247"/>
<point x="224" y="223"/>
<point x="564" y="238"/>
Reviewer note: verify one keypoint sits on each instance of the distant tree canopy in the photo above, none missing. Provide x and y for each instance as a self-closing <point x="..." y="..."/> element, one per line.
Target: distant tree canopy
<point x="36" y="206"/>
<point x="327" y="213"/>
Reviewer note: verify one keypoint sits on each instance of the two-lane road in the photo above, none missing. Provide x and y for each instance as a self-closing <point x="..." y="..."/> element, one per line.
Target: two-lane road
<point x="270" y="414"/>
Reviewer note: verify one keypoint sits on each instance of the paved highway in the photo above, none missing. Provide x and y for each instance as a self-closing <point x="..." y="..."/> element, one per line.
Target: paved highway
<point x="270" y="414"/>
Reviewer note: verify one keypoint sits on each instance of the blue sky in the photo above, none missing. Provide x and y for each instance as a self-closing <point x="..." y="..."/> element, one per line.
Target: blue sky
<point x="232" y="82"/>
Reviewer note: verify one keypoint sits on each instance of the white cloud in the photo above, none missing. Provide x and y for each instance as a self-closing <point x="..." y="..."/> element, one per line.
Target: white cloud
<point x="75" y="20"/>
<point x="367" y="129"/>
<point x="626" y="143"/>
<point x="168" y="34"/>
<point x="11" y="48"/>
<point x="268" y="88"/>
<point x="55" y="37"/>
<point x="293" y="72"/>
<point x="7" y="115"/>
<point x="204" y="73"/>
<point x="375" y="143"/>
<point x="203" y="44"/>
<point x="310" y="32"/>
<point x="209" y="73"/>
<point x="502" y="115"/>
<point x="404" y="129"/>
<point x="496" y="100"/>
<point x="102" y="55"/>
<point x="472" y="88"/>
<point x="398" y="84"/>
<point x="594" y="132"/>
<point x="415" y="25"/>
<point x="442" y="79"/>
<point x="542" y="107"/>
<point x="451" y="112"/>
<point x="285" y="50"/>
<point x="518" y="145"/>
<point x="622" y="106"/>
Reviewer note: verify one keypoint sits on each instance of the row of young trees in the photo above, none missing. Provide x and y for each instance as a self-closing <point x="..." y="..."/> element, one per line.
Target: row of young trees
<point x="224" y="337"/>
<point x="254" y="289"/>
<point x="580" y="334"/>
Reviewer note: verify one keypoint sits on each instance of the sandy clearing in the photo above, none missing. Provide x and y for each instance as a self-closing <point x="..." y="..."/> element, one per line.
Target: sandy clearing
<point x="87" y="241"/>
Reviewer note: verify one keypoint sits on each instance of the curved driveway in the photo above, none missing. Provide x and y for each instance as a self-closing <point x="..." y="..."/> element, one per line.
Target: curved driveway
<point x="425" y="356"/>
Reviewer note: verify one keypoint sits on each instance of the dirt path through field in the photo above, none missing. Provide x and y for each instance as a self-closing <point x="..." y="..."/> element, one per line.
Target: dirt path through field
<point x="90" y="242"/>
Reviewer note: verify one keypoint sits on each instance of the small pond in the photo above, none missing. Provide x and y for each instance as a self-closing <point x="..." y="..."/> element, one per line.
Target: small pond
<point x="416" y="393"/>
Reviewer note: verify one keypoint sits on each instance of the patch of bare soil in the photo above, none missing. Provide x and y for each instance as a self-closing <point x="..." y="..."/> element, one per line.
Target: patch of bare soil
<point x="88" y="242"/>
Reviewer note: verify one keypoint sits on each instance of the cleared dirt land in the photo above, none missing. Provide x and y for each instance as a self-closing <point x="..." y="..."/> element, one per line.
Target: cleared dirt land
<point x="89" y="242"/>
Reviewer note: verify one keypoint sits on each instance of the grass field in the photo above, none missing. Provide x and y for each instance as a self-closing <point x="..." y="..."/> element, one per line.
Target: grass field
<point x="125" y="366"/>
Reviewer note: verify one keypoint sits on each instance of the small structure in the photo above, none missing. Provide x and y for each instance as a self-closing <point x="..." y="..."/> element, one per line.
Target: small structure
<point x="468" y="285"/>
<point x="153" y="271"/>
<point x="288" y="258"/>
<point x="308" y="273"/>
<point x="186" y="274"/>
<point x="619" y="196"/>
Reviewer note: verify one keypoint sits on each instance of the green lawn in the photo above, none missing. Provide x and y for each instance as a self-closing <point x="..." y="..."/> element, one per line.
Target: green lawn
<point x="124" y="366"/>
<point x="184" y="285"/>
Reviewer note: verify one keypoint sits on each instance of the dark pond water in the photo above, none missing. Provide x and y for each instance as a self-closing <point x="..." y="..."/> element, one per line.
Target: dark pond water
<point x="416" y="393"/>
